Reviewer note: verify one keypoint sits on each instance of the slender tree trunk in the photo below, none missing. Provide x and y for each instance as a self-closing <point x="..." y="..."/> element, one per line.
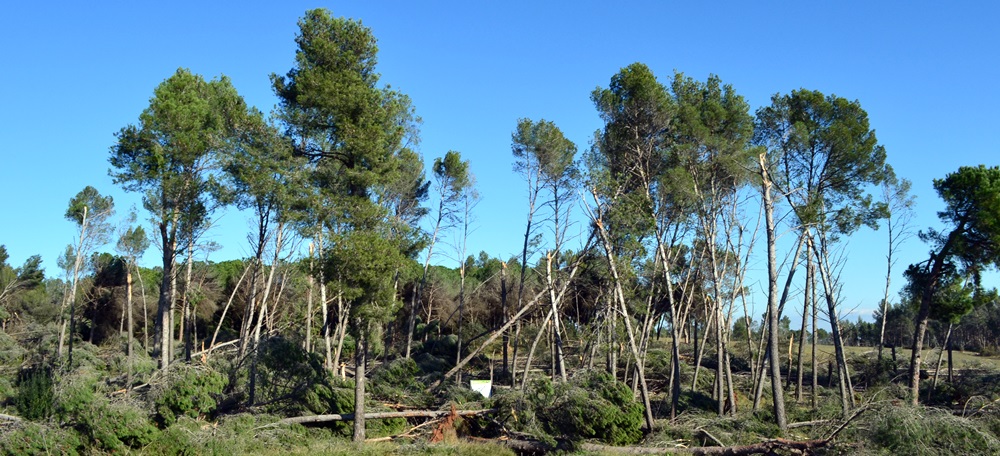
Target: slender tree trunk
<point x="162" y="329"/>
<point x="77" y="264"/>
<point x="310" y="283"/>
<point x="188" y="324"/>
<point x="811" y="277"/>
<point x="411" y="321"/>
<point x="846" y="396"/>
<point x="262" y="314"/>
<point x="923" y="314"/>
<point x="557" y="338"/>
<point x="328" y="354"/>
<point x="937" y="371"/>
<point x="514" y="320"/>
<point x="531" y="350"/>
<point x="461" y="311"/>
<point x="225" y="310"/>
<point x="341" y="330"/>
<point x="802" y="328"/>
<point x="145" y="315"/>
<point x="623" y="307"/>
<point x="360" y="359"/>
<point x="131" y="327"/>
<point x="951" y="378"/>
<point x="173" y="309"/>
<point x="778" y="396"/>
<point x="504" y="311"/>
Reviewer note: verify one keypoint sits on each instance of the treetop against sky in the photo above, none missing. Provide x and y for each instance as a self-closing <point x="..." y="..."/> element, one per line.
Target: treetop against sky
<point x="77" y="73"/>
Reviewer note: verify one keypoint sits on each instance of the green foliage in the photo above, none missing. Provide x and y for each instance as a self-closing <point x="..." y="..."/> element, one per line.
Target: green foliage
<point x="35" y="394"/>
<point x="594" y="405"/>
<point x="36" y="438"/>
<point x="293" y="382"/>
<point x="397" y="381"/>
<point x="192" y="391"/>
<point x="591" y="406"/>
<point x="923" y="431"/>
<point x="827" y="153"/>
<point x="91" y="203"/>
<point x="110" y="426"/>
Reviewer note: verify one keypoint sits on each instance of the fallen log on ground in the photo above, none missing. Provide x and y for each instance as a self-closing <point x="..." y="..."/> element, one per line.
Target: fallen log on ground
<point x="6" y="417"/>
<point x="382" y="415"/>
<point x="765" y="447"/>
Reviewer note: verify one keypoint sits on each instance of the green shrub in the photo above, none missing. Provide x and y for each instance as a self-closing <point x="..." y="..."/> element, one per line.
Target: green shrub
<point x="35" y="393"/>
<point x="102" y="424"/>
<point x="190" y="391"/>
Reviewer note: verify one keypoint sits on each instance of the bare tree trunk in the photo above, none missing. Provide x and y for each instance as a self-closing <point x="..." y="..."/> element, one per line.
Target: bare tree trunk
<point x="411" y="322"/>
<point x="360" y="359"/>
<point x="623" y="307"/>
<point x="846" y="394"/>
<point x="222" y="318"/>
<point x="559" y="360"/>
<point x="947" y="343"/>
<point x="324" y="307"/>
<point x="461" y="312"/>
<point x="131" y="327"/>
<point x="77" y="264"/>
<point x="173" y="310"/>
<point x="504" y="311"/>
<point x="778" y="396"/>
<point x="531" y="351"/>
<point x="187" y="326"/>
<point x="145" y="316"/>
<point x="341" y="330"/>
<point x="310" y="283"/>
<point x="262" y="314"/>
<point x="815" y="320"/>
<point x="923" y="314"/>
<point x="802" y="328"/>
<point x="515" y="319"/>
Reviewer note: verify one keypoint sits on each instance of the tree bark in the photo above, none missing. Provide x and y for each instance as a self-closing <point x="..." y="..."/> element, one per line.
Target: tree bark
<point x="778" y="397"/>
<point x="131" y="328"/>
<point x="360" y="359"/>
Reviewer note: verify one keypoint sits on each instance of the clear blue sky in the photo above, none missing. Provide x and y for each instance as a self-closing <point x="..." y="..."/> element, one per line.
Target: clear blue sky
<point x="74" y="73"/>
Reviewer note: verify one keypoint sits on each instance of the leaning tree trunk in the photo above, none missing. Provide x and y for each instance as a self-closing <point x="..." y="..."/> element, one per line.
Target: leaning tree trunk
<point x="534" y="346"/>
<point x="623" y="307"/>
<point x="560" y="361"/>
<point x="846" y="391"/>
<point x="923" y="315"/>
<point x="262" y="314"/>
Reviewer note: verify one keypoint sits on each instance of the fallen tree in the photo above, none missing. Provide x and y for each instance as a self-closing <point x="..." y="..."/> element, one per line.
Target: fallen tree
<point x="765" y="447"/>
<point x="313" y="419"/>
